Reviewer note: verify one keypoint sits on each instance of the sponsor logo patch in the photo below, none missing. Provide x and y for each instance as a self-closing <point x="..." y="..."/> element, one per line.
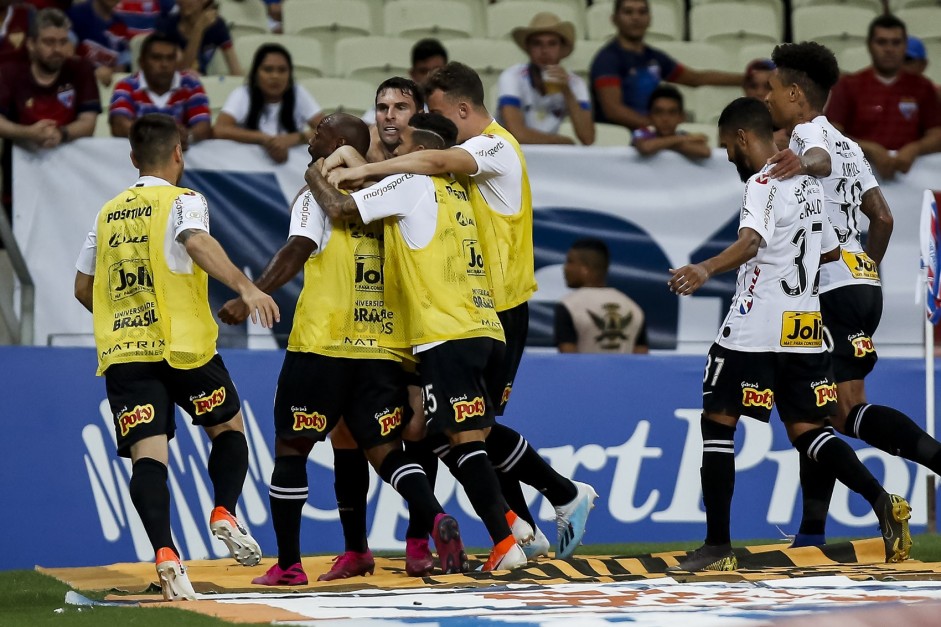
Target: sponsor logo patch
<point x="313" y="420"/>
<point x="468" y="409"/>
<point x="801" y="329"/>
<point x="757" y="398"/>
<point x="825" y="394"/>
<point x="206" y="404"/>
<point x="390" y="420"/>
<point x="141" y="414"/>
<point x="862" y="346"/>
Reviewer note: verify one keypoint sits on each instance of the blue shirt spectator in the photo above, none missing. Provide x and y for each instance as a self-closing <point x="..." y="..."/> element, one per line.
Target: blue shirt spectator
<point x="102" y="37"/>
<point x="636" y="73"/>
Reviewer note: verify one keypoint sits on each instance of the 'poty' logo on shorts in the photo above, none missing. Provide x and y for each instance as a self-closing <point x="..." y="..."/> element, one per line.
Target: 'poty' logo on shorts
<point x="862" y="346"/>
<point x="206" y="404"/>
<point x="389" y="421"/>
<point x="825" y="394"/>
<point x="139" y="415"/>
<point x="757" y="398"/>
<point x="468" y="409"/>
<point x="313" y="420"/>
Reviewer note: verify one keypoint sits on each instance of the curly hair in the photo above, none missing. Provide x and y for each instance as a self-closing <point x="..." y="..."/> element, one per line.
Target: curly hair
<point x="810" y="66"/>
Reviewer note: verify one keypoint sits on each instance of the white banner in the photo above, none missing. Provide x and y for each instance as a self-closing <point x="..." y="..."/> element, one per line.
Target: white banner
<point x="675" y="205"/>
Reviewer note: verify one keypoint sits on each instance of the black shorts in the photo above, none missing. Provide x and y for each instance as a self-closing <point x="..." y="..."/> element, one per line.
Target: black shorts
<point x="453" y="387"/>
<point x="851" y="316"/>
<point x="501" y="371"/>
<point x="315" y="391"/>
<point x="737" y="383"/>
<point x="142" y="396"/>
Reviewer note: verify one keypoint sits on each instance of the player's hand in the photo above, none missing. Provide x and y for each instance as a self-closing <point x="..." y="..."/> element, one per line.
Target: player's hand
<point x="687" y="279"/>
<point x="343" y="157"/>
<point x="234" y="311"/>
<point x="786" y="165"/>
<point x="346" y="178"/>
<point x="261" y="306"/>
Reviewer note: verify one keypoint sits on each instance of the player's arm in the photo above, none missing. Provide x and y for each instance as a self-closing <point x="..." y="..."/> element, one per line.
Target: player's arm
<point x="690" y="278"/>
<point x="84" y="288"/>
<point x="208" y="254"/>
<point x="335" y="204"/>
<point x="814" y="162"/>
<point x="881" y="222"/>
<point x="455" y="160"/>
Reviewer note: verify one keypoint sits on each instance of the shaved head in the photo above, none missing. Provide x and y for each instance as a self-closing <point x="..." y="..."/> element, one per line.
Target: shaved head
<point x="353" y="130"/>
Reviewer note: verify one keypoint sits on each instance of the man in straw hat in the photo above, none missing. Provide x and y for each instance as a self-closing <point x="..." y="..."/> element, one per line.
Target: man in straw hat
<point x="535" y="97"/>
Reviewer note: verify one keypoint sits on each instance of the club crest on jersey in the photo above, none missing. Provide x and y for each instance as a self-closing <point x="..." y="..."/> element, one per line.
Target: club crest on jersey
<point x="802" y="329"/>
<point x="862" y="345"/>
<point x="908" y="107"/>
<point x="757" y="398"/>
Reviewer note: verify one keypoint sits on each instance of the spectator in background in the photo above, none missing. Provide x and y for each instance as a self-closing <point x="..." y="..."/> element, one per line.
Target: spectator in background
<point x="201" y="32"/>
<point x="103" y="38"/>
<point x="666" y="114"/>
<point x="141" y="15"/>
<point x="916" y="59"/>
<point x="595" y="318"/>
<point x="271" y="110"/>
<point x="756" y="85"/>
<point x="48" y="99"/>
<point x="534" y="98"/>
<point x="397" y="100"/>
<point x="893" y="115"/>
<point x="427" y="56"/>
<point x="757" y="74"/>
<point x="626" y="71"/>
<point x="159" y="88"/>
<point x="14" y="29"/>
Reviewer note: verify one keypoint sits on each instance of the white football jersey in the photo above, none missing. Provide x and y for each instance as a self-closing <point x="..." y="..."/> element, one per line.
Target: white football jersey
<point x="776" y="307"/>
<point x="843" y="191"/>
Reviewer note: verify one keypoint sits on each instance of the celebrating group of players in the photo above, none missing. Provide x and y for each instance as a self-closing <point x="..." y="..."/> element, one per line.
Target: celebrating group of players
<point x="413" y="320"/>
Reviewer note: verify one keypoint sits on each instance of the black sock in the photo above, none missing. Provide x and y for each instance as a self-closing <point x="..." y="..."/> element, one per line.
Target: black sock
<point x="409" y="480"/>
<point x="718" y="479"/>
<point x="287" y="496"/>
<point x="423" y="454"/>
<point x="228" y="465"/>
<point x="833" y="453"/>
<point x="511" y="454"/>
<point x="151" y="498"/>
<point x="351" y="483"/>
<point x="817" y="483"/>
<point x="479" y="480"/>
<point x="895" y="433"/>
<point x="513" y="497"/>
